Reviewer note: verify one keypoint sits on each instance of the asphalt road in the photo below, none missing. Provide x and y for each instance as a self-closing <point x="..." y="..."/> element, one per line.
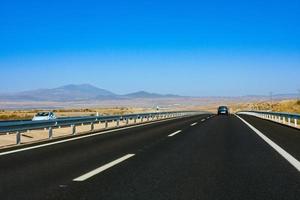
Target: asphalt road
<point x="190" y="158"/>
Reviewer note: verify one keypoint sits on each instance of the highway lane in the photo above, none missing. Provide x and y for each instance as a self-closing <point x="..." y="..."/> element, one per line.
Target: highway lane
<point x="218" y="159"/>
<point x="191" y="158"/>
<point x="286" y="137"/>
<point x="54" y="165"/>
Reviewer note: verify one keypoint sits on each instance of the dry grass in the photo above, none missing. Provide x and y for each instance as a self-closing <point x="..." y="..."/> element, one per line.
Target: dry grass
<point x="28" y="114"/>
<point x="290" y="106"/>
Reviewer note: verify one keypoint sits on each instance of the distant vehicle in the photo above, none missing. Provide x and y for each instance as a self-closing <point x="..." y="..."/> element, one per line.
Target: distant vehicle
<point x="44" y="116"/>
<point x="223" y="110"/>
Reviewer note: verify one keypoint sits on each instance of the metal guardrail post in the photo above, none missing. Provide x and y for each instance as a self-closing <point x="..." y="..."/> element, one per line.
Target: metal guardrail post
<point x="290" y="119"/>
<point x="18" y="137"/>
<point x="73" y="127"/>
<point x="72" y="123"/>
<point x="50" y="132"/>
<point x="92" y="126"/>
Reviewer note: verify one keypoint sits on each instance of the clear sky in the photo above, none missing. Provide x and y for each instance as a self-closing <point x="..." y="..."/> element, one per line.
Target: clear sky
<point x="197" y="48"/>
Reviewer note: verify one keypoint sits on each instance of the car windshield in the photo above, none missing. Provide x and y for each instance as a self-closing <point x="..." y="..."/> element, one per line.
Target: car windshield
<point x="223" y="108"/>
<point x="42" y="114"/>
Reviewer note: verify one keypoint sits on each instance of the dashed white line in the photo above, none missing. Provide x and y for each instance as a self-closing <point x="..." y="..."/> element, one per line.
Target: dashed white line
<point x="175" y="133"/>
<point x="202" y="120"/>
<point x="194" y="124"/>
<point x="79" y="137"/>
<point x="293" y="161"/>
<point x="103" y="168"/>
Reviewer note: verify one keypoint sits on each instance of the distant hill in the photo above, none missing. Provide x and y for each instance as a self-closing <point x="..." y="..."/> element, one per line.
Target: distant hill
<point x="86" y="92"/>
<point x="144" y="94"/>
<point x="64" y="93"/>
<point x="82" y="92"/>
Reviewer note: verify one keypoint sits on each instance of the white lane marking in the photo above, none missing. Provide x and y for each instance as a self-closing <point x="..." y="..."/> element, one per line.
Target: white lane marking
<point x="194" y="124"/>
<point x="80" y="137"/>
<point x="171" y="135"/>
<point x="202" y="120"/>
<point x="293" y="161"/>
<point x="102" y="168"/>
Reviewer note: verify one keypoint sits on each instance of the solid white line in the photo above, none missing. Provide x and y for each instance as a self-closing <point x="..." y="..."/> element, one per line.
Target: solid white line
<point x="194" y="124"/>
<point x="293" y="161"/>
<point x="80" y="137"/>
<point x="202" y="120"/>
<point x="103" y="168"/>
<point x="171" y="135"/>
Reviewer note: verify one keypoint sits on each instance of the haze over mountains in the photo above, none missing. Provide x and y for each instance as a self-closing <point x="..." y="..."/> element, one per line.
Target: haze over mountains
<point x="87" y="92"/>
<point x="82" y="92"/>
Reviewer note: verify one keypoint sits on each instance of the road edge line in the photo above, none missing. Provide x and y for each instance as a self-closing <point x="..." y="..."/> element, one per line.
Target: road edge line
<point x="293" y="161"/>
<point x="85" y="136"/>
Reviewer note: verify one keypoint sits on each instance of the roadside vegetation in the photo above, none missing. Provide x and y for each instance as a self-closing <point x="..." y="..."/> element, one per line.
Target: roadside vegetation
<point x="28" y="114"/>
<point x="289" y="106"/>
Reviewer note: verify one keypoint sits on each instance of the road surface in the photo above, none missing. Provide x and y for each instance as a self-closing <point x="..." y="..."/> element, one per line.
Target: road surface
<point x="199" y="157"/>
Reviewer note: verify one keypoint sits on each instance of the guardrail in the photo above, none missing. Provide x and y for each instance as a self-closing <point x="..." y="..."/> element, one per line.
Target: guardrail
<point x="19" y="127"/>
<point x="289" y="119"/>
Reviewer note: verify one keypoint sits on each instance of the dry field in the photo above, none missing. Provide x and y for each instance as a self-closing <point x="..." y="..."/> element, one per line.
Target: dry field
<point x="28" y="114"/>
<point x="290" y="106"/>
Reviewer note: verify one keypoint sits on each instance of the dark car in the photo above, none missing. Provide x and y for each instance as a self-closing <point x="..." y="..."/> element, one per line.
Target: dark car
<point x="223" y="110"/>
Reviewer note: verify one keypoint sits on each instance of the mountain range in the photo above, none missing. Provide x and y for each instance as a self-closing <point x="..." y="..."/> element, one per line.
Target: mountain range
<point x="81" y="92"/>
<point x="87" y="92"/>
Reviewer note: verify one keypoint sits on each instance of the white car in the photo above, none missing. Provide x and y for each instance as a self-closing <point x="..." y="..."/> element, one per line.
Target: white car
<point x="44" y="116"/>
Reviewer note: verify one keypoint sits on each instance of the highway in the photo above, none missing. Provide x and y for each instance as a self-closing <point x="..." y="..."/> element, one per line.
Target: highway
<point x="197" y="157"/>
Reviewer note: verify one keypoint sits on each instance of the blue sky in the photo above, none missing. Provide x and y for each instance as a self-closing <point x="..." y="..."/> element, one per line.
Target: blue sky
<point x="197" y="48"/>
